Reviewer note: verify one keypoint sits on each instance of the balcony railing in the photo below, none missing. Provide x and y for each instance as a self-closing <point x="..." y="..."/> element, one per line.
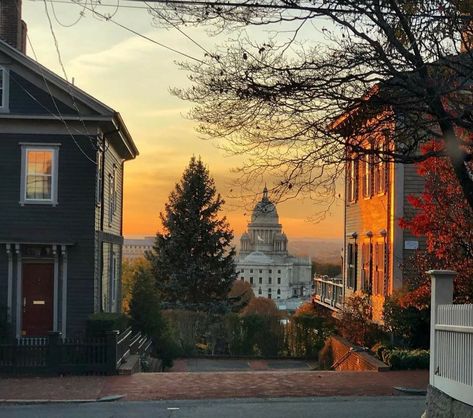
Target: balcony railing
<point x="328" y="292"/>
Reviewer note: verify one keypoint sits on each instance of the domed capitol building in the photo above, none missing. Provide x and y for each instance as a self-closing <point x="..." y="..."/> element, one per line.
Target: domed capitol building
<point x="264" y="261"/>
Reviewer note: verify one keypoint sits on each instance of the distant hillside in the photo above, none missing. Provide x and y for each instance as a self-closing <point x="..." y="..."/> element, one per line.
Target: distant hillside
<point x="323" y="251"/>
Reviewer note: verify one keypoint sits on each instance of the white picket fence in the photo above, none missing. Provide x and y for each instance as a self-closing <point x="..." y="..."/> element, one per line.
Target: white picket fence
<point x="451" y="345"/>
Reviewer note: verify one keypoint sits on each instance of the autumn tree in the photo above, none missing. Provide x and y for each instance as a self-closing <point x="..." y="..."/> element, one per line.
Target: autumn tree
<point x="130" y="269"/>
<point x="240" y="295"/>
<point x="445" y="219"/>
<point x="192" y="259"/>
<point x="401" y="69"/>
<point x="261" y="306"/>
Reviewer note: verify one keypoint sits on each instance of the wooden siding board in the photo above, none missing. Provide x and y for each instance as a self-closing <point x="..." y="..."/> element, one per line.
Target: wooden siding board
<point x="22" y="103"/>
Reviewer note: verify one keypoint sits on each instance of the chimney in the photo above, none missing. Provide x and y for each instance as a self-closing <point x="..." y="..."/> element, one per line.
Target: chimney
<point x="12" y="28"/>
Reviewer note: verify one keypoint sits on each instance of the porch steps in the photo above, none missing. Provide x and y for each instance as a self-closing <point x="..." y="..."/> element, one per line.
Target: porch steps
<point x="130" y="366"/>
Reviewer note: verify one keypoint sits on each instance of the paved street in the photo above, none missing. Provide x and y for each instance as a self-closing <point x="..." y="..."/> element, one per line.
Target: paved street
<point x="205" y="385"/>
<point x="356" y="407"/>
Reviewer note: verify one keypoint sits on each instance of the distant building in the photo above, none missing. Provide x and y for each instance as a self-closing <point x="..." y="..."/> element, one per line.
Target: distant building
<point x="136" y="248"/>
<point x="264" y="261"/>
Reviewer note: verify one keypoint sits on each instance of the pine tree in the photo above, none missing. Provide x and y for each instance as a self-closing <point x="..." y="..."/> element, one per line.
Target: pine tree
<point x="193" y="260"/>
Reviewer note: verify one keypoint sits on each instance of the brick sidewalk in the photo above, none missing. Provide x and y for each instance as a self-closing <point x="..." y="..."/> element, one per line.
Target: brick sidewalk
<point x="155" y="386"/>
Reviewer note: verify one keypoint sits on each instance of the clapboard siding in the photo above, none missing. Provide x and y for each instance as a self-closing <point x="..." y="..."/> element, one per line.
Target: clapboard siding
<point x="413" y="186"/>
<point x="26" y="98"/>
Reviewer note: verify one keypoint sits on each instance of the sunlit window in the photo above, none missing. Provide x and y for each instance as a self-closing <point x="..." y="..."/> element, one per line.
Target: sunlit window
<point x="39" y="176"/>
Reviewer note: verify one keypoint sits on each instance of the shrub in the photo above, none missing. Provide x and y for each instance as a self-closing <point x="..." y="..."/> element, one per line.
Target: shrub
<point x="101" y="322"/>
<point x="355" y="322"/>
<point x="306" y="334"/>
<point x="399" y="359"/>
<point x="146" y="316"/>
<point x="409" y="325"/>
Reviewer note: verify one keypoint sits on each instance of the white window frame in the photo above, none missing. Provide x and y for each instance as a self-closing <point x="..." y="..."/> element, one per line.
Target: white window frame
<point x="25" y="148"/>
<point x="5" y="102"/>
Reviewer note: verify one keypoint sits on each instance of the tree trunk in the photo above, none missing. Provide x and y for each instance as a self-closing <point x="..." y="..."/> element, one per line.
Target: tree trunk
<point x="455" y="153"/>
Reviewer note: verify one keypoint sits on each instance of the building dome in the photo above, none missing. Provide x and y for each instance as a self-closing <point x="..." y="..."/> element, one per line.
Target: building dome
<point x="257" y="258"/>
<point x="265" y="211"/>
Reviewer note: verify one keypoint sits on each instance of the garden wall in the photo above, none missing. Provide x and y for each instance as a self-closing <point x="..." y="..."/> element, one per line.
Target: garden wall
<point x="349" y="357"/>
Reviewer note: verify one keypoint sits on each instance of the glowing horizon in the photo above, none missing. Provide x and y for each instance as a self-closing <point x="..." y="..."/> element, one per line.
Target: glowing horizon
<point x="133" y="76"/>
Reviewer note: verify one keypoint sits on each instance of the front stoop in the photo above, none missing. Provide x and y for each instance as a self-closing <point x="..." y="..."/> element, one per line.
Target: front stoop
<point x="131" y="366"/>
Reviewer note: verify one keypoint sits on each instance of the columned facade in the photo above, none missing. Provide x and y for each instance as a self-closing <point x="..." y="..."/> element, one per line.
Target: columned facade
<point x="264" y="260"/>
<point x="36" y="288"/>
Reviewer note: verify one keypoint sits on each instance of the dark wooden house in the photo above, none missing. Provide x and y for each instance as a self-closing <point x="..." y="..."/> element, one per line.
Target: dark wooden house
<point x="62" y="155"/>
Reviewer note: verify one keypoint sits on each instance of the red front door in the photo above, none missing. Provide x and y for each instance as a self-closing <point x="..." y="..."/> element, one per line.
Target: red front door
<point x="38" y="292"/>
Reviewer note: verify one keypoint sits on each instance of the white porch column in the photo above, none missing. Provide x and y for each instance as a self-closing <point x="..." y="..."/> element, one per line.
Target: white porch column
<point x="64" y="291"/>
<point x="56" y="288"/>
<point x="19" y="299"/>
<point x="441" y="294"/>
<point x="10" y="282"/>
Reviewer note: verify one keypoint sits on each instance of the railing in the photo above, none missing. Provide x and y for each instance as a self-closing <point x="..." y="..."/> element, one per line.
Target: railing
<point x="56" y="355"/>
<point x="328" y="292"/>
<point x="451" y="340"/>
<point x="123" y="346"/>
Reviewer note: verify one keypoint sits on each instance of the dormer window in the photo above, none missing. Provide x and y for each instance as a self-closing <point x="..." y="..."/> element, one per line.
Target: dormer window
<point x="4" y="84"/>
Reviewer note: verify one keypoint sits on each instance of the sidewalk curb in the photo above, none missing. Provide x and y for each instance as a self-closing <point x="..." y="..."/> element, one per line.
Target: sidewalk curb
<point x="411" y="391"/>
<point x="110" y="398"/>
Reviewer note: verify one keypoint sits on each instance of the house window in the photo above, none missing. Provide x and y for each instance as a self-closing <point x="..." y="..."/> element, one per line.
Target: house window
<point x="242" y="270"/>
<point x="242" y="278"/>
<point x="352" y="180"/>
<point x="367" y="267"/>
<point x="260" y="280"/>
<point x="279" y="280"/>
<point x="352" y="256"/>
<point x="98" y="179"/>
<point x="260" y="292"/>
<point x="379" y="267"/>
<point x="251" y="280"/>
<point x="270" y="270"/>
<point x="114" y="279"/>
<point x="279" y="271"/>
<point x="269" y="280"/>
<point x="367" y="176"/>
<point x="251" y="270"/>
<point x="4" y="90"/>
<point x="279" y="291"/>
<point x="112" y="194"/>
<point x="39" y="174"/>
<point x="261" y="271"/>
<point x="380" y="170"/>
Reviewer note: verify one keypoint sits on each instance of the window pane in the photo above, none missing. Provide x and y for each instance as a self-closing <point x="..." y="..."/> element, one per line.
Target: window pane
<point x="38" y="187"/>
<point x="39" y="162"/>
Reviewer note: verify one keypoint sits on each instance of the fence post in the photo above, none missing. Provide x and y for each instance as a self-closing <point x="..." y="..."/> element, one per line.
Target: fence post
<point x="54" y="356"/>
<point x="111" y="339"/>
<point x="441" y="294"/>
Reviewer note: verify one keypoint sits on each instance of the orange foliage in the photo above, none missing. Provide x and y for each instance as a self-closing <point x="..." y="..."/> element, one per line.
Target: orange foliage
<point x="261" y="306"/>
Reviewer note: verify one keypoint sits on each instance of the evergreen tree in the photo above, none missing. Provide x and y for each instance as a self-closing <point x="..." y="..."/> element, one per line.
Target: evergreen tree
<point x="193" y="260"/>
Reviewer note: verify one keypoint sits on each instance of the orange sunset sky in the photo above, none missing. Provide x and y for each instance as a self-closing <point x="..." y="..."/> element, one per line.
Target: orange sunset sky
<point x="134" y="76"/>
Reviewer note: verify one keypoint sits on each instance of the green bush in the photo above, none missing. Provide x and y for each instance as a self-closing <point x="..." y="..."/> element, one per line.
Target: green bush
<point x="101" y="322"/>
<point x="409" y="325"/>
<point x="145" y="313"/>
<point x="399" y="359"/>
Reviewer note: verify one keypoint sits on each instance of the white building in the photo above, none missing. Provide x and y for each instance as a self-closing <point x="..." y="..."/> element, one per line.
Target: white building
<point x="264" y="261"/>
<point x="136" y="248"/>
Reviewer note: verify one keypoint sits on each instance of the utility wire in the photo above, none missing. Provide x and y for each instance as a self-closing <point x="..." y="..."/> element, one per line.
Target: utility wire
<point x="59" y="115"/>
<point x="109" y="19"/>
